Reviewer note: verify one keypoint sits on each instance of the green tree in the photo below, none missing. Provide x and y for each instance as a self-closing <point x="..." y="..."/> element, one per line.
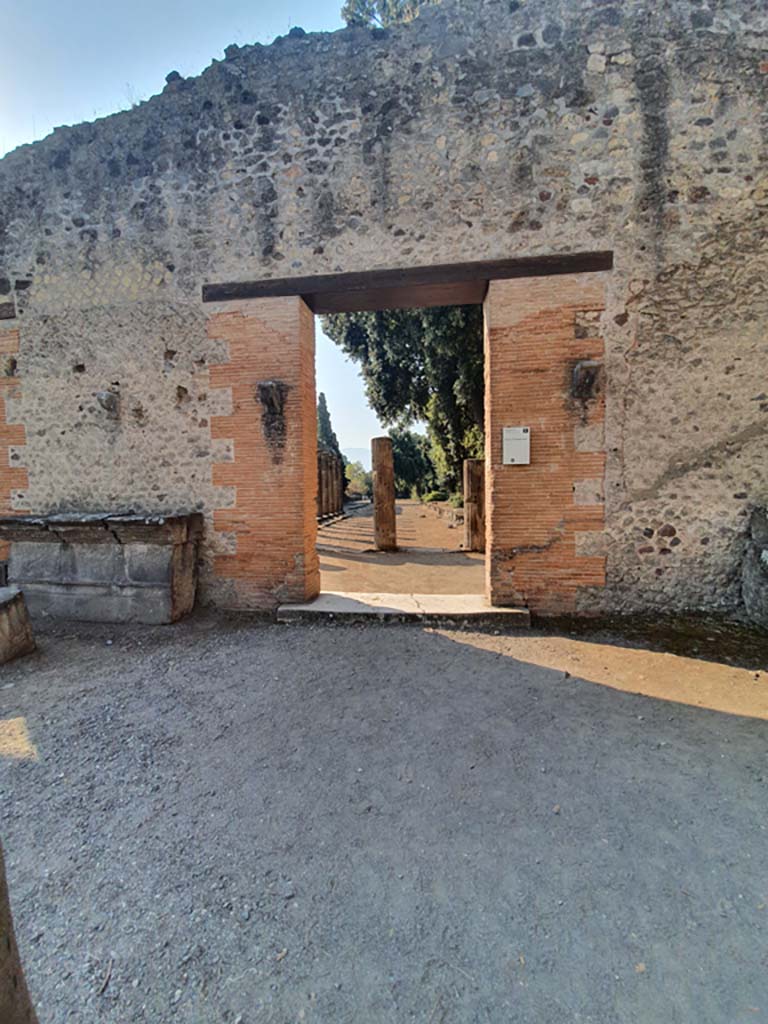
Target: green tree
<point x="325" y="432"/>
<point x="414" y="469"/>
<point x="424" y="364"/>
<point x="359" y="480"/>
<point x="379" y="12"/>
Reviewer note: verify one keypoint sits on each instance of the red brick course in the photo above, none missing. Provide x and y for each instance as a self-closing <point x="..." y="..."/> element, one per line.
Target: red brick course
<point x="12" y="478"/>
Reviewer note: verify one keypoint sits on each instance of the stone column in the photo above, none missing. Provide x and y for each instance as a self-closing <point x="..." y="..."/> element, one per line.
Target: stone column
<point x="338" y="490"/>
<point x="342" y="484"/>
<point x="319" y="499"/>
<point x="384" y="525"/>
<point x="323" y="484"/>
<point x="15" y="1004"/>
<point x="331" y="497"/>
<point x="474" y="505"/>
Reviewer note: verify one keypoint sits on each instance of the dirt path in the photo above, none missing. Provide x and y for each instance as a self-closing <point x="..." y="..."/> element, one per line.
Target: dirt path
<point x="419" y="527"/>
<point x="429" y="561"/>
<point x="228" y="822"/>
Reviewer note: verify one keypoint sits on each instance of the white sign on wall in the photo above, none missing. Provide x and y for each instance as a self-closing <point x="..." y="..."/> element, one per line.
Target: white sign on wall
<point x="516" y="446"/>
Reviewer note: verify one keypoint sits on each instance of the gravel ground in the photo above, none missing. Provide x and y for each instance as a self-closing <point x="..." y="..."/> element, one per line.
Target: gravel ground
<point x="238" y="822"/>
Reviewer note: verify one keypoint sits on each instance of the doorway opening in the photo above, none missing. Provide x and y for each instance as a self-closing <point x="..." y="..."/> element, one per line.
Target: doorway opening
<point x="413" y="375"/>
<point x="542" y="422"/>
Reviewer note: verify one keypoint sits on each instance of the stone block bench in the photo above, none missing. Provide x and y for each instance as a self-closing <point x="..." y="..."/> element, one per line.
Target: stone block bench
<point x="15" y="628"/>
<point x="105" y="568"/>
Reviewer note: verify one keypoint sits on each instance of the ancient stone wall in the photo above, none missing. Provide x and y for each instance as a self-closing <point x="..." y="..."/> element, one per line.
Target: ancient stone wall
<point x="482" y="130"/>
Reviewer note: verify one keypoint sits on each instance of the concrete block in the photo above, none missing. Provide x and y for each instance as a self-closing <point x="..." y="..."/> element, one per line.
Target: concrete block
<point x="15" y="628"/>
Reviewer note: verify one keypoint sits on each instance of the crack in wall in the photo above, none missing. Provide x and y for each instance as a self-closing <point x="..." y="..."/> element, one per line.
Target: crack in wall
<point x="754" y="430"/>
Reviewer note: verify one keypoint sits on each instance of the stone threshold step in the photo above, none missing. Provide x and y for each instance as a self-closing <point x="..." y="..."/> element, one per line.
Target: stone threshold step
<point x="437" y="608"/>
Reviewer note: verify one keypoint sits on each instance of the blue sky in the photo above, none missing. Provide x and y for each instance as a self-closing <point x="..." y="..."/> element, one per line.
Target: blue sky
<point x="66" y="61"/>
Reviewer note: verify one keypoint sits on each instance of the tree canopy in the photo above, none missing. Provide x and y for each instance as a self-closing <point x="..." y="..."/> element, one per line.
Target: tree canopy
<point x="359" y="479"/>
<point x="414" y="469"/>
<point x="379" y="12"/>
<point x="418" y="364"/>
<point x="424" y="364"/>
<point x="325" y="432"/>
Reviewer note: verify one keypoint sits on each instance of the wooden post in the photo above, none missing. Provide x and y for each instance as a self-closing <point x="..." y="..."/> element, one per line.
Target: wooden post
<point x="474" y="505"/>
<point x="384" y="525"/>
<point x="15" y="1005"/>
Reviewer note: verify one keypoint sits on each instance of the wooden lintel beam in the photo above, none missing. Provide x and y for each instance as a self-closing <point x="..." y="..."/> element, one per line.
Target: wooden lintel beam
<point x="447" y="284"/>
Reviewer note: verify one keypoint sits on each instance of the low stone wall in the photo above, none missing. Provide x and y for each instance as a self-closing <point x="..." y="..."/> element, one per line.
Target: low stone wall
<point x="15" y="629"/>
<point x="103" y="568"/>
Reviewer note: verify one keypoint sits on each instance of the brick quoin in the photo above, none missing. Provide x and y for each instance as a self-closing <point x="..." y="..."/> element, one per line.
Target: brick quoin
<point x="537" y="516"/>
<point x="13" y="478"/>
<point x="270" y="528"/>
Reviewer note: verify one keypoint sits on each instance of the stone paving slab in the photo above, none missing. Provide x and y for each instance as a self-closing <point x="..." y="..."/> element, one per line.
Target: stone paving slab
<point x="443" y="608"/>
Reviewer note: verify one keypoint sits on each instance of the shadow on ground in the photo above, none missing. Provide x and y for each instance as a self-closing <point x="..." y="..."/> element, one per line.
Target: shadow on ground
<point x="220" y="822"/>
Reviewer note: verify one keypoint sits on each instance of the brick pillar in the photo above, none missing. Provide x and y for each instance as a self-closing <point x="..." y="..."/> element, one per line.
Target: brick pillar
<point x="543" y="370"/>
<point x="269" y="529"/>
<point x="13" y="477"/>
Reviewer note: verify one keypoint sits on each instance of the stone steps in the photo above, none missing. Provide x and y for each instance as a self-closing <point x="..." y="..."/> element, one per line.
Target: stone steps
<point x="436" y="609"/>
